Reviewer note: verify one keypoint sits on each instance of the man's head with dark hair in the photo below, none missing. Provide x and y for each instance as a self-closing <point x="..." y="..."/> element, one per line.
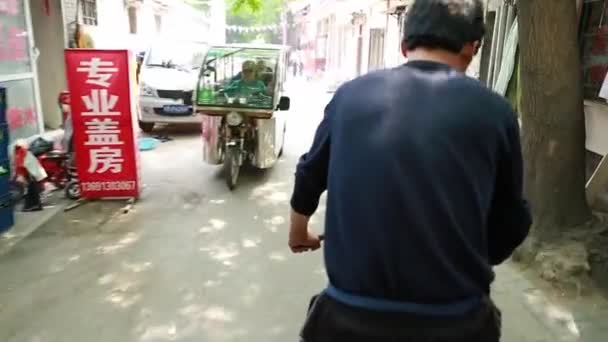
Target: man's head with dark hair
<point x="445" y="26"/>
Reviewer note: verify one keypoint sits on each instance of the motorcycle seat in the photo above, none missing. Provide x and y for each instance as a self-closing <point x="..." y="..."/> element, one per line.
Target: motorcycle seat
<point x="56" y="154"/>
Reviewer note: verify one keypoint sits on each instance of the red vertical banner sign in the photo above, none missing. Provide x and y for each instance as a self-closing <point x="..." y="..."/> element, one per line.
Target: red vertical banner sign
<point x="102" y="95"/>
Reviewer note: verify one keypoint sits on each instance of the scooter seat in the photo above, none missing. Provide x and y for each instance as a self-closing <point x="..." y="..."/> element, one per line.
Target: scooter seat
<point x="56" y="154"/>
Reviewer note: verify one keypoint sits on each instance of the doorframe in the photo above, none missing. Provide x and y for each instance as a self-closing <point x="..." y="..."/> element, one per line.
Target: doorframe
<point x="16" y="77"/>
<point x="65" y="24"/>
<point x="34" y="55"/>
<point x="359" y="49"/>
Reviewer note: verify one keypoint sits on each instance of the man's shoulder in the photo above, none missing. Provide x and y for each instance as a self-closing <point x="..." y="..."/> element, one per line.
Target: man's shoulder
<point x="375" y="76"/>
<point x="484" y="96"/>
<point x="369" y="82"/>
<point x="476" y="86"/>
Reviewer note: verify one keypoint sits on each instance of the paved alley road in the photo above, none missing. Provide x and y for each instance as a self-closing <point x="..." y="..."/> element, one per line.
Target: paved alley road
<point x="193" y="261"/>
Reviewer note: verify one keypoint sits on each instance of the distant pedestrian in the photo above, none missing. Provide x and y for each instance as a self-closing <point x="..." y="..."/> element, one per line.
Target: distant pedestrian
<point x="294" y="61"/>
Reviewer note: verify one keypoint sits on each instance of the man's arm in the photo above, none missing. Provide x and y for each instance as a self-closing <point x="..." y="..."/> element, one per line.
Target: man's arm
<point x="233" y="85"/>
<point x="310" y="183"/>
<point x="312" y="169"/>
<point x="510" y="219"/>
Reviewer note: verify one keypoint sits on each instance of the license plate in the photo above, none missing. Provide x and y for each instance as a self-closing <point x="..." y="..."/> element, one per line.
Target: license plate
<point x="176" y="109"/>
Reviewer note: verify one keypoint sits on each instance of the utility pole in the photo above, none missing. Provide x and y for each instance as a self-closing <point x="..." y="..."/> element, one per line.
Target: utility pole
<point x="386" y="28"/>
<point x="284" y="23"/>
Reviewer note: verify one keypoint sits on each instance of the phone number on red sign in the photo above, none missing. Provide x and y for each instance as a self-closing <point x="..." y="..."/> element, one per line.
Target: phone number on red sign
<point x="108" y="186"/>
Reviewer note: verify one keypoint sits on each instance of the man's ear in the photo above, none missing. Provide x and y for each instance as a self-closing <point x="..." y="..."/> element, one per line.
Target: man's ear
<point x="404" y="48"/>
<point x="469" y="50"/>
<point x="478" y="45"/>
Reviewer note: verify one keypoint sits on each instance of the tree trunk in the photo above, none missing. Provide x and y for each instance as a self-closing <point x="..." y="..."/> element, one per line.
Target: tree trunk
<point x="553" y="121"/>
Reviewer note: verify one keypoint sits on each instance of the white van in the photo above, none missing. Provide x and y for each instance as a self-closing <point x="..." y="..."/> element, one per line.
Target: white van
<point x="168" y="76"/>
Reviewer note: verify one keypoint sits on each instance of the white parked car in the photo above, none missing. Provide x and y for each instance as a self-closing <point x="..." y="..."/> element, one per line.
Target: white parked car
<point x="168" y="76"/>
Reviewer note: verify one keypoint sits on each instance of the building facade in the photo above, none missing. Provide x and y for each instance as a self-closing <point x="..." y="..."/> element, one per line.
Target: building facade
<point x="356" y="37"/>
<point x="34" y="34"/>
<point x="347" y="39"/>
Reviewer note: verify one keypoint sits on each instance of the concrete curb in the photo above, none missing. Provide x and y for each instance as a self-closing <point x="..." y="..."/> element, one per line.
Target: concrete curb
<point x="26" y="225"/>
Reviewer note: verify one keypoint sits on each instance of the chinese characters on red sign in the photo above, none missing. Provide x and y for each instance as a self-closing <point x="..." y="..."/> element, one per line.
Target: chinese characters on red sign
<point x="104" y="136"/>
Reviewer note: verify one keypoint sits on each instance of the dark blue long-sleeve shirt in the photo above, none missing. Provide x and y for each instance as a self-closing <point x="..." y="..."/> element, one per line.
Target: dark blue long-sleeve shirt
<point x="423" y="169"/>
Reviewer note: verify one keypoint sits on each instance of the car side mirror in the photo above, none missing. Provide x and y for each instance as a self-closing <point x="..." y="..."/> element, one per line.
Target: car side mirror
<point x="284" y="103"/>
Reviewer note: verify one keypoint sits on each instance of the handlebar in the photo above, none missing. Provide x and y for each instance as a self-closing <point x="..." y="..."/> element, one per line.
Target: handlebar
<point x="321" y="239"/>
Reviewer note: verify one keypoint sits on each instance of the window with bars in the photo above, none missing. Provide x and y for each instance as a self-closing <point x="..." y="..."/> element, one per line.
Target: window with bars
<point x="400" y="13"/>
<point x="89" y="12"/>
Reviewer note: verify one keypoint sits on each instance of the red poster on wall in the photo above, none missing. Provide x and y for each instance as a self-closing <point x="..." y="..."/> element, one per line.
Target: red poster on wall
<point x="102" y="103"/>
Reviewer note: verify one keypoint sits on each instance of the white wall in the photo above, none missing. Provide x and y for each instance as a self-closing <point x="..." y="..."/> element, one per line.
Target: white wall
<point x="112" y="30"/>
<point x="218" y="22"/>
<point x="180" y="21"/>
<point x="596" y="117"/>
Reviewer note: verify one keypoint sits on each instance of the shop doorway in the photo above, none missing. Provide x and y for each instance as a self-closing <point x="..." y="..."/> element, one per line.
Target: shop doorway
<point x="48" y="44"/>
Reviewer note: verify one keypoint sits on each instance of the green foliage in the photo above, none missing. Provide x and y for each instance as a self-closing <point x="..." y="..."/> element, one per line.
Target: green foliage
<point x="249" y="5"/>
<point x="201" y="5"/>
<point x="253" y="13"/>
<point x="236" y="6"/>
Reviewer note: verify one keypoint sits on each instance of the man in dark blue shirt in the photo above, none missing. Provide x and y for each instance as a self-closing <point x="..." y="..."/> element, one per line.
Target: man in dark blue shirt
<point x="423" y="169"/>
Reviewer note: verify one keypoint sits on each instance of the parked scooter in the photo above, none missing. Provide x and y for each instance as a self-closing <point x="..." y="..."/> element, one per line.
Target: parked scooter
<point x="58" y="164"/>
<point x="59" y="168"/>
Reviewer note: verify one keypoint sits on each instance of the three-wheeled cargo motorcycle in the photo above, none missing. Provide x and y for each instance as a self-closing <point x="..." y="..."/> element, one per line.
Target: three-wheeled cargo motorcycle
<point x="240" y="95"/>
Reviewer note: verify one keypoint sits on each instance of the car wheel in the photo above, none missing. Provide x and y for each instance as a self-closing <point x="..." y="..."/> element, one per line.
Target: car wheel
<point x="147" y="127"/>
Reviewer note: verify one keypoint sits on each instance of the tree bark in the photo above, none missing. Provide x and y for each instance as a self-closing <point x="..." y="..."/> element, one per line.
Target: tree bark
<point x="553" y="120"/>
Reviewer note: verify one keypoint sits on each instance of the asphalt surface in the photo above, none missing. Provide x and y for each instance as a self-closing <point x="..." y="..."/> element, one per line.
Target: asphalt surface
<point x="193" y="261"/>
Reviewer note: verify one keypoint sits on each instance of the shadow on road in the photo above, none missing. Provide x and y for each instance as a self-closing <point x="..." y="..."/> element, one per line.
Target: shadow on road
<point x="183" y="130"/>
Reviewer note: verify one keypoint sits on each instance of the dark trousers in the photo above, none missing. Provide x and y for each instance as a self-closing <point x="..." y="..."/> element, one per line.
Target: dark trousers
<point x="32" y="195"/>
<point x="331" y="321"/>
